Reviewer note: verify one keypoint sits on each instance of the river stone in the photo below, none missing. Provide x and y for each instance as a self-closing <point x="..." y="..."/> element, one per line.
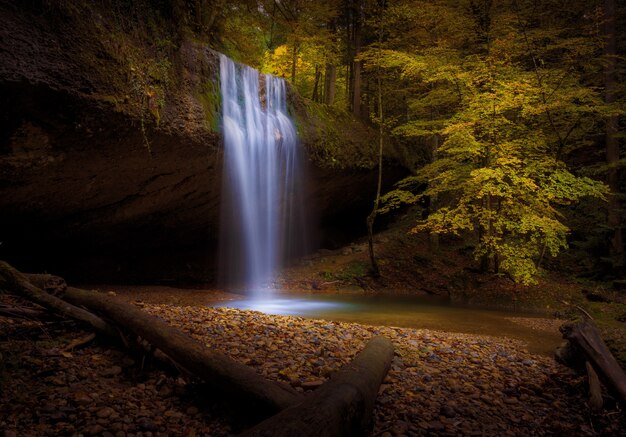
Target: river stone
<point x="105" y="412"/>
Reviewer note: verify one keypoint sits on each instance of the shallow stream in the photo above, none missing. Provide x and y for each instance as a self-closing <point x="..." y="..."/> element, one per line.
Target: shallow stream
<point x="540" y="334"/>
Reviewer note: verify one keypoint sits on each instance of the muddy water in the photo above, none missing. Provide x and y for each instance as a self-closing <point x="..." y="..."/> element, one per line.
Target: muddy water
<point x="540" y="335"/>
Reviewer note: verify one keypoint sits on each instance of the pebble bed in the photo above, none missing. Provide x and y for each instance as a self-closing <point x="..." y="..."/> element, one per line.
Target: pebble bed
<point x="439" y="384"/>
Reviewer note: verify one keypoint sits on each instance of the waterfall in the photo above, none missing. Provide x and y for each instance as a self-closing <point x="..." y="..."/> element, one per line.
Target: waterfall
<point x="262" y="215"/>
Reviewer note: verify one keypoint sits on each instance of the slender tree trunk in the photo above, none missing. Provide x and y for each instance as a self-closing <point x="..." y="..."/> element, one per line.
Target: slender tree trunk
<point x="611" y="141"/>
<point x="354" y="16"/>
<point x="329" y="84"/>
<point x="215" y="8"/>
<point x="294" y="62"/>
<point x="372" y="217"/>
<point x="318" y="74"/>
<point x="356" y="68"/>
<point x="433" y="237"/>
<point x="349" y="51"/>
<point x="179" y="13"/>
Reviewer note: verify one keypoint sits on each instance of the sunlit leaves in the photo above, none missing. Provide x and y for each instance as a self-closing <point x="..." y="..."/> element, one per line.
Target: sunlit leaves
<point x="396" y="199"/>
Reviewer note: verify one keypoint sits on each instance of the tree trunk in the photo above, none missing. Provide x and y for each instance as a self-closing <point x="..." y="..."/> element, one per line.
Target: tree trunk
<point x="257" y="396"/>
<point x="612" y="142"/>
<point x="329" y="84"/>
<point x="372" y="217"/>
<point x="318" y="74"/>
<point x="356" y="65"/>
<point x="433" y="237"/>
<point x="356" y="88"/>
<point x="586" y="338"/>
<point x="294" y="62"/>
<point x="343" y="406"/>
<point x="12" y="280"/>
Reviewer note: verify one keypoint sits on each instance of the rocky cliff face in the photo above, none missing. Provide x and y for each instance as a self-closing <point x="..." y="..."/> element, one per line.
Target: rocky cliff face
<point x="109" y="150"/>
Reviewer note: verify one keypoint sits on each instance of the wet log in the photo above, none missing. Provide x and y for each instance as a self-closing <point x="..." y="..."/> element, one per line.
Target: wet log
<point x="585" y="336"/>
<point x="343" y="406"/>
<point x="15" y="281"/>
<point x="596" y="402"/>
<point x="256" y="397"/>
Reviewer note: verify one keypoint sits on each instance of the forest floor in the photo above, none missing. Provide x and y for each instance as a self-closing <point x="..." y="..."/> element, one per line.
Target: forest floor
<point x="439" y="383"/>
<point x="411" y="265"/>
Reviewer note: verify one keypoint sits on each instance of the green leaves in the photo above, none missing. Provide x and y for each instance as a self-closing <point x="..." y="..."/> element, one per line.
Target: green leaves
<point x="497" y="173"/>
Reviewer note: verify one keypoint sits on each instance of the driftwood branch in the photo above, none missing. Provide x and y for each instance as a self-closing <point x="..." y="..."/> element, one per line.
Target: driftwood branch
<point x="20" y="312"/>
<point x="54" y="285"/>
<point x="342" y="406"/>
<point x="13" y="280"/>
<point x="595" y="389"/>
<point x="585" y="337"/>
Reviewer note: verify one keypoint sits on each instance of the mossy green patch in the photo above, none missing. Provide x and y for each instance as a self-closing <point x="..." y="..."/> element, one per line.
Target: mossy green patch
<point x="333" y="137"/>
<point x="210" y="97"/>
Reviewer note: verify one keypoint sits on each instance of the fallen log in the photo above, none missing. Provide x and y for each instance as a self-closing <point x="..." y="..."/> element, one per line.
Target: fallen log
<point x="255" y="395"/>
<point x="54" y="285"/>
<point x="585" y="337"/>
<point x="342" y="406"/>
<point x="20" y="312"/>
<point x="13" y="280"/>
<point x="596" y="402"/>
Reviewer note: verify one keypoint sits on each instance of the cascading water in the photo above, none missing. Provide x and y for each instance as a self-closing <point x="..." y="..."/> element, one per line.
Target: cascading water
<point x="262" y="217"/>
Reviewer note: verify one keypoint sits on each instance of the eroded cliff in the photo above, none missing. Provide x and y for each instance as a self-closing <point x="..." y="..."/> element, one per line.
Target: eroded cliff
<point x="110" y="153"/>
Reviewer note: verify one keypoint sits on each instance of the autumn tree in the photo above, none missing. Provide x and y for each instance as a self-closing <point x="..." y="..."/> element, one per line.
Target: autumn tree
<point x="507" y="111"/>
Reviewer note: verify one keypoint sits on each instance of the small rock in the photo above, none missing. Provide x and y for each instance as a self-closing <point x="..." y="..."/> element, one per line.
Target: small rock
<point x="146" y="424"/>
<point x="436" y="426"/>
<point x="400" y="428"/>
<point x="192" y="411"/>
<point x="105" y="412"/>
<point x="447" y="411"/>
<point x="510" y="401"/>
<point x="166" y="391"/>
<point x="96" y="429"/>
<point x="311" y="384"/>
<point x="111" y="371"/>
<point x="81" y="398"/>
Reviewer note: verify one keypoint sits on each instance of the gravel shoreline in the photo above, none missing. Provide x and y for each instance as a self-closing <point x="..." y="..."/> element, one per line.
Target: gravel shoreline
<point x="439" y="384"/>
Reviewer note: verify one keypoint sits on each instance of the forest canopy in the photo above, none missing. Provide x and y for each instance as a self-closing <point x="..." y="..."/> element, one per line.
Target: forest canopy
<point x="511" y="110"/>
